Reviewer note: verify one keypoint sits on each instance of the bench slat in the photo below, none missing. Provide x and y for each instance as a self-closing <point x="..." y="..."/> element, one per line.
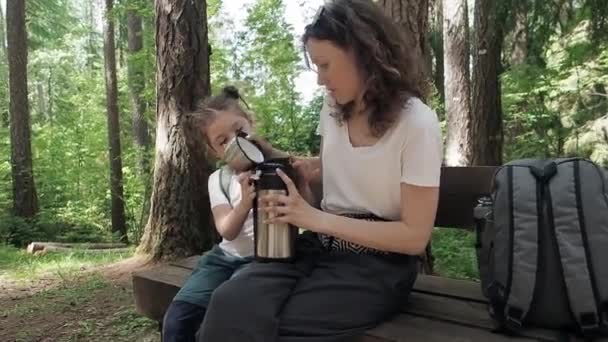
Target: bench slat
<point x="446" y="287"/>
<point x="468" y="313"/>
<point x="188" y="263"/>
<point x="406" y="327"/>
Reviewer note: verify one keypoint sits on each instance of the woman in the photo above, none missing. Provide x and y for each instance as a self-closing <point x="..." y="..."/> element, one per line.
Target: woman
<point x="380" y="163"/>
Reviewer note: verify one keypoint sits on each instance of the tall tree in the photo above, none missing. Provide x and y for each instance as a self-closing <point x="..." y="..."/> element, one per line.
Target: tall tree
<point x="519" y="51"/>
<point x="136" y="80"/>
<point x="486" y="134"/>
<point x="116" y="188"/>
<point x="436" y="41"/>
<point x="91" y="46"/>
<point x="180" y="215"/>
<point x="24" y="190"/>
<point x="413" y="17"/>
<point x="457" y="83"/>
<point x="3" y="74"/>
<point x="2" y="35"/>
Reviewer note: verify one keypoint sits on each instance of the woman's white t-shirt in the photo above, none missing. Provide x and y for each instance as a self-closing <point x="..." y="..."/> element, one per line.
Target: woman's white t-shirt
<point x="242" y="245"/>
<point x="363" y="180"/>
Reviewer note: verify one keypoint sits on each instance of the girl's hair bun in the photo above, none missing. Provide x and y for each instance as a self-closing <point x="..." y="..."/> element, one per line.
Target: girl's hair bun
<point x="231" y="92"/>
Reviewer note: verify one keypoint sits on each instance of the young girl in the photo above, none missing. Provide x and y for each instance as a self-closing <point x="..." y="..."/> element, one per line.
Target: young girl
<point x="219" y="118"/>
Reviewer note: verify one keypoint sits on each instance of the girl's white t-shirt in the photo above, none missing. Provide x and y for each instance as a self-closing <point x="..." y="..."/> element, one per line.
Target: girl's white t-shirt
<point x="364" y="180"/>
<point x="242" y="245"/>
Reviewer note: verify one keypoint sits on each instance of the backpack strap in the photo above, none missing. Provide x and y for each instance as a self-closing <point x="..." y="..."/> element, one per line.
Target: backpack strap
<point x="526" y="218"/>
<point x="568" y="223"/>
<point x="225" y="180"/>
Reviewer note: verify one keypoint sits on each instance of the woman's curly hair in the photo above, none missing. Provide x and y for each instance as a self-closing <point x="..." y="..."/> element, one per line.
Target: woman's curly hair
<point x="392" y="74"/>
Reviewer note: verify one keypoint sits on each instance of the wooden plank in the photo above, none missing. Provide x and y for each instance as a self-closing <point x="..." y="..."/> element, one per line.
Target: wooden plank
<point x="406" y="327"/>
<point x="154" y="289"/>
<point x="468" y="313"/>
<point x="446" y="287"/>
<point x="188" y="263"/>
<point x="458" y="192"/>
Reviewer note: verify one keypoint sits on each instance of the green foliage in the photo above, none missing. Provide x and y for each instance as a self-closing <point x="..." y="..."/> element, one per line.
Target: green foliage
<point x="54" y="20"/>
<point x="265" y="71"/>
<point x="69" y="130"/>
<point x="553" y="101"/>
<point x="454" y="253"/>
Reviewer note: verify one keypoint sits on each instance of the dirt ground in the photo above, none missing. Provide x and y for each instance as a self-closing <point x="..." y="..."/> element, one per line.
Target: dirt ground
<point x="96" y="306"/>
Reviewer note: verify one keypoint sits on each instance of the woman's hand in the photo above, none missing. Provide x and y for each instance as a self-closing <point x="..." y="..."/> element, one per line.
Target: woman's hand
<point x="308" y="170"/>
<point x="247" y="190"/>
<point x="292" y="208"/>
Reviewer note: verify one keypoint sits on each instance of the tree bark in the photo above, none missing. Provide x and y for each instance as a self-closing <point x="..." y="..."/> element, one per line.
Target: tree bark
<point x="24" y="190"/>
<point x="519" y="51"/>
<point x="40" y="101"/>
<point x="118" y="206"/>
<point x="180" y="221"/>
<point x="136" y="80"/>
<point x="412" y="16"/>
<point x="3" y="74"/>
<point x="486" y="135"/>
<point x="437" y="47"/>
<point x="457" y="82"/>
<point x="2" y="36"/>
<point x="91" y="48"/>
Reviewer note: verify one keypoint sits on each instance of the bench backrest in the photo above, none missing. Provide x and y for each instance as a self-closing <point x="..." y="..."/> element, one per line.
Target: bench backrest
<point x="459" y="190"/>
<point x="458" y="193"/>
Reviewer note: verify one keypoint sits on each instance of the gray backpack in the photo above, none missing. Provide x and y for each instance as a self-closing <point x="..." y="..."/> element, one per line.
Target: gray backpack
<point x="542" y="246"/>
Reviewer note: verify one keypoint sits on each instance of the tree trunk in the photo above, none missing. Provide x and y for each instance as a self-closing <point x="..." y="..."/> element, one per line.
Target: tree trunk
<point x="118" y="206"/>
<point x="3" y="75"/>
<point x="180" y="221"/>
<point x="2" y="36"/>
<point x="24" y="189"/>
<point x="141" y="135"/>
<point x="412" y="16"/>
<point x="457" y="82"/>
<point x="486" y="134"/>
<point x="519" y="51"/>
<point x="40" y="101"/>
<point x="437" y="47"/>
<point x="91" y="48"/>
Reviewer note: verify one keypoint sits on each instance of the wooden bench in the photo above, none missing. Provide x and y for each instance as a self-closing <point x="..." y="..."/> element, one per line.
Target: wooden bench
<point x="439" y="309"/>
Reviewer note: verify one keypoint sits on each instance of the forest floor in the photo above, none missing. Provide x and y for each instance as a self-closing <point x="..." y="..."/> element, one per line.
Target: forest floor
<point x="79" y="296"/>
<point x="74" y="297"/>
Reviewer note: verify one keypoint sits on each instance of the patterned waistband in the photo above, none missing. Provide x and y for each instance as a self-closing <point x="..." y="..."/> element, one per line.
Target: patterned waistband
<point x="332" y="243"/>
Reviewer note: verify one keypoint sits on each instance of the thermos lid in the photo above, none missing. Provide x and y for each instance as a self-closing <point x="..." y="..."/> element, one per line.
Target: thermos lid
<point x="268" y="177"/>
<point x="240" y="147"/>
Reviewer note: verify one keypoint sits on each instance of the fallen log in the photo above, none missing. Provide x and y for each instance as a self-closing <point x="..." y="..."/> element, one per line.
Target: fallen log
<point x="57" y="246"/>
<point x="50" y="249"/>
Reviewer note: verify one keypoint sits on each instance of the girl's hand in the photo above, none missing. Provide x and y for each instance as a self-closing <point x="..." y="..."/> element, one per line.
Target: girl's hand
<point x="292" y="208"/>
<point x="247" y="190"/>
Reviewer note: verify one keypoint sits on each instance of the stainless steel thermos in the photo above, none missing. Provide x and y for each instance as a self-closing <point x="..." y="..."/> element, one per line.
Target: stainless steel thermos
<point x="273" y="241"/>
